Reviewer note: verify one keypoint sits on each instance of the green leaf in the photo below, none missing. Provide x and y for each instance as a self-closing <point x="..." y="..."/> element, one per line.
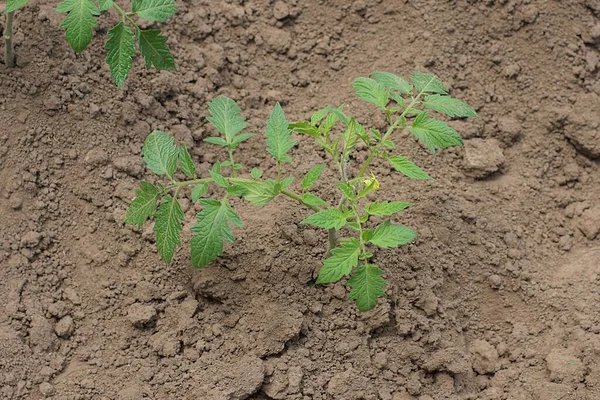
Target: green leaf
<point x="218" y="178"/>
<point x="153" y="47"/>
<point x="449" y="106"/>
<point x="260" y="193"/>
<point x="304" y="128"/>
<point x="331" y="120"/>
<point x="312" y="176"/>
<point x="143" y="205"/>
<point x="341" y="262"/>
<point x="121" y="49"/>
<point x="211" y="230"/>
<point x="434" y="134"/>
<point x="256" y="173"/>
<point x="79" y="22"/>
<point x="286" y="182"/>
<point x="386" y="208"/>
<point x="428" y="83"/>
<point x="367" y="234"/>
<point x="105" y="5"/>
<point x="371" y="91"/>
<point x="328" y="219"/>
<point x="389" y="235"/>
<point x="14" y="5"/>
<point x="318" y="116"/>
<point x="367" y="286"/>
<point x="186" y="162"/>
<point x="346" y="189"/>
<point x="167" y="227"/>
<point x="391" y="81"/>
<point x="236" y="190"/>
<point x="408" y="168"/>
<point x="219" y="141"/>
<point x="398" y="99"/>
<point x="279" y="140"/>
<point x="313" y="200"/>
<point x="350" y="136"/>
<point x="375" y="133"/>
<point x="154" y="10"/>
<point x="354" y="225"/>
<point x="160" y="153"/>
<point x="340" y="114"/>
<point x="199" y="191"/>
<point x="241" y="138"/>
<point x="226" y="117"/>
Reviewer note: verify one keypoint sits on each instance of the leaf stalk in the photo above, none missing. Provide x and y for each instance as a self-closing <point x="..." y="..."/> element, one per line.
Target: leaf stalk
<point x="286" y="192"/>
<point x="125" y="16"/>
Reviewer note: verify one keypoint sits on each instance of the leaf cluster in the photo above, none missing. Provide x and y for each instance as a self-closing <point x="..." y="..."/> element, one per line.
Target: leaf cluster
<point x="358" y="220"/>
<point x="82" y="19"/>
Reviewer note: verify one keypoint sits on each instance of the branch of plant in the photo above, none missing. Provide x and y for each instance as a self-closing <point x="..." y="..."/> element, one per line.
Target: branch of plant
<point x="332" y="233"/>
<point x="177" y="191"/>
<point x="289" y="193"/>
<point x="9" y="55"/>
<point x="125" y="16"/>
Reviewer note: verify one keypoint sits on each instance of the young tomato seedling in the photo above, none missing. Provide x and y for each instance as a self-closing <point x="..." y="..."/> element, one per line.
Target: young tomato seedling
<point x="80" y="23"/>
<point x="406" y="105"/>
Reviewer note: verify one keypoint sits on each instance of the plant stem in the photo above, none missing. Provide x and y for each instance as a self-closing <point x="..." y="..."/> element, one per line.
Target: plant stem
<point x="332" y="241"/>
<point x="278" y="171"/>
<point x="363" y="250"/>
<point x="233" y="170"/>
<point x="9" y="54"/>
<point x="285" y="192"/>
<point x="177" y="192"/>
<point x="332" y="235"/>
<point x="125" y="16"/>
<point x="299" y="199"/>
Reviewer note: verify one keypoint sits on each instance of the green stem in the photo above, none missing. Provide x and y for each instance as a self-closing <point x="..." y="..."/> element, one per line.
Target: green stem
<point x="363" y="249"/>
<point x="285" y="192"/>
<point x="9" y="53"/>
<point x="233" y="170"/>
<point x="125" y="16"/>
<point x="332" y="235"/>
<point x="332" y="241"/>
<point x="278" y="171"/>
<point x="299" y="199"/>
<point x="177" y="192"/>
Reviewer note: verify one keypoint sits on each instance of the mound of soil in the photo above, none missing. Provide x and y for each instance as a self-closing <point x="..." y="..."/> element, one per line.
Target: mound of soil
<point x="498" y="298"/>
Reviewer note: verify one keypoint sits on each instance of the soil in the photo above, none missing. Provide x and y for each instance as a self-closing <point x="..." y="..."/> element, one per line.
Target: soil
<point x="498" y="298"/>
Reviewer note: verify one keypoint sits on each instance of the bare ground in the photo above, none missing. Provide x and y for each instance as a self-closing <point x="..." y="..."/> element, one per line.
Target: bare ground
<point x="498" y="299"/>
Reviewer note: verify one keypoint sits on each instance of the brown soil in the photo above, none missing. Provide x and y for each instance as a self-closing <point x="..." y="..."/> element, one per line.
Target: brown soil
<point x="498" y="299"/>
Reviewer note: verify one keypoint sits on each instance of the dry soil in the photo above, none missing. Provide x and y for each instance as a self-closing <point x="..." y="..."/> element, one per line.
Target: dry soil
<point x="498" y="298"/>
